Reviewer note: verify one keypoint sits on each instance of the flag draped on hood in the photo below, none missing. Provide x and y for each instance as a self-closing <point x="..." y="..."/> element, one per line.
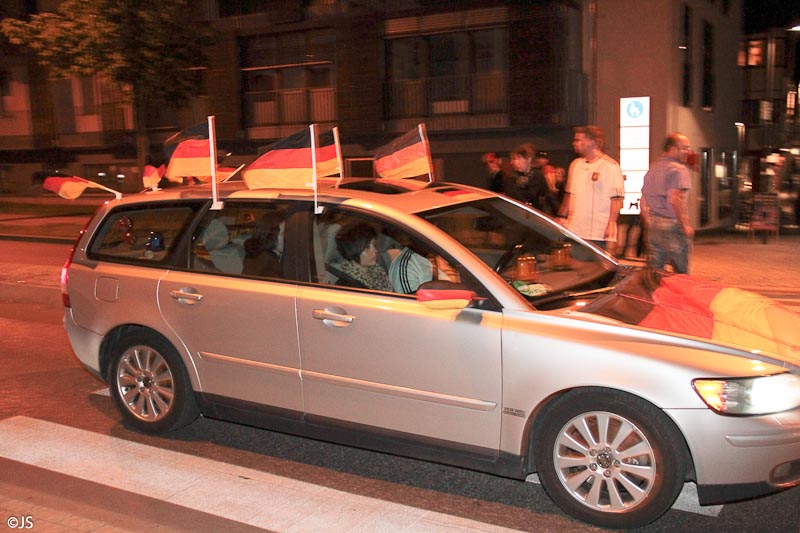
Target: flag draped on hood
<point x="405" y="157"/>
<point x="687" y="305"/>
<point x="69" y="187"/>
<point x="288" y="163"/>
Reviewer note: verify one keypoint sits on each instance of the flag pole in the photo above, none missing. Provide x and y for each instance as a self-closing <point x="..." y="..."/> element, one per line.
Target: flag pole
<point x="313" y="131"/>
<point x="232" y="174"/>
<point x="216" y="205"/>
<point x="338" y="155"/>
<point x="424" y="137"/>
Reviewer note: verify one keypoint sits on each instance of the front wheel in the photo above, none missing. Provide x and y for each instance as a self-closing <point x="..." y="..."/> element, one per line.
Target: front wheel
<point x="149" y="384"/>
<point x="610" y="459"/>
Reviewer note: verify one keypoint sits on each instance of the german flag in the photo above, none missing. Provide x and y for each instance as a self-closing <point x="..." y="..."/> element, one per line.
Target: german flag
<point x="190" y="158"/>
<point x="679" y="303"/>
<point x="288" y="163"/>
<point x="151" y="176"/>
<point x="69" y="187"/>
<point x="405" y="157"/>
<point x="196" y="132"/>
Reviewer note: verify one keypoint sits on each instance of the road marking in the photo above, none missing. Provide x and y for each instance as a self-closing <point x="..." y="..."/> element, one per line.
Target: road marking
<point x="235" y="493"/>
<point x="687" y="500"/>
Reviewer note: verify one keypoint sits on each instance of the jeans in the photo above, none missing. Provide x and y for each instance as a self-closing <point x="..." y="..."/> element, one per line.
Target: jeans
<point x="667" y="245"/>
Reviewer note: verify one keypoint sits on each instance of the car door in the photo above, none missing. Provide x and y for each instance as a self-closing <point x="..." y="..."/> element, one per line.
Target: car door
<point x="383" y="360"/>
<point x="240" y="328"/>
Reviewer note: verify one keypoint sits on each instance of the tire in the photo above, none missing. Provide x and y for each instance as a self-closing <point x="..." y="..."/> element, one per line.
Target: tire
<point x="149" y="383"/>
<point x="610" y="459"/>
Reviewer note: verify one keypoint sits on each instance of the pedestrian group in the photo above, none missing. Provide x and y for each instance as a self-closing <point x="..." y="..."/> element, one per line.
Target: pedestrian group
<point x="589" y="200"/>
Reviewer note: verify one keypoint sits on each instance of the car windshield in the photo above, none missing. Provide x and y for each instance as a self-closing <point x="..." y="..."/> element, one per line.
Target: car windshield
<point x="533" y="253"/>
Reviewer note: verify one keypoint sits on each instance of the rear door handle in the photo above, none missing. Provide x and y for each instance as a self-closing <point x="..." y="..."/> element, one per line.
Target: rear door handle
<point x="333" y="317"/>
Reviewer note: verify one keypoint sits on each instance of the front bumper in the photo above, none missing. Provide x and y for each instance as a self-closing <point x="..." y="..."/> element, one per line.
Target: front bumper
<point x="741" y="457"/>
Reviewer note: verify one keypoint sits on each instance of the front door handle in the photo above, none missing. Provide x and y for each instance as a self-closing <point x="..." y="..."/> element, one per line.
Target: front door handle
<point x="186" y="295"/>
<point x="333" y="317"/>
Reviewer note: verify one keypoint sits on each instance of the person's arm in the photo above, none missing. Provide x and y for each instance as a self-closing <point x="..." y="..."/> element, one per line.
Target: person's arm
<point x="644" y="211"/>
<point x="566" y="204"/>
<point x="613" y="216"/>
<point x="617" y="193"/>
<point x="678" y="199"/>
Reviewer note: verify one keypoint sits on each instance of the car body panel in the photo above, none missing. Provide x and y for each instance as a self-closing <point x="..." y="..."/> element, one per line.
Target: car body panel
<point x="401" y="366"/>
<point x="242" y="348"/>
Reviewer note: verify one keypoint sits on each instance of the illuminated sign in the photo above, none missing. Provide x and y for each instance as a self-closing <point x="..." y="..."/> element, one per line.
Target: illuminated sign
<point x="634" y="148"/>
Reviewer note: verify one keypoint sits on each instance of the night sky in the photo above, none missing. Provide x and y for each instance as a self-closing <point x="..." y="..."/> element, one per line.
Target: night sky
<point x="760" y="15"/>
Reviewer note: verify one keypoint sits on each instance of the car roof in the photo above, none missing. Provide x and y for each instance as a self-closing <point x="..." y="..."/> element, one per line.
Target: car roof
<point x="406" y="197"/>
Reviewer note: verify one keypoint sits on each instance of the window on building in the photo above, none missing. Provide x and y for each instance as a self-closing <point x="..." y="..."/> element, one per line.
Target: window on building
<point x="5" y="87"/>
<point x="708" y="66"/>
<point x="755" y="52"/>
<point x="449" y="73"/>
<point x="289" y="78"/>
<point x="751" y="112"/>
<point x="685" y="47"/>
<point x="88" y="102"/>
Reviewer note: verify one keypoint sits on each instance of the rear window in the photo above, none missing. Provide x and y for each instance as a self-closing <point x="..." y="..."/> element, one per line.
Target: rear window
<point x="142" y="233"/>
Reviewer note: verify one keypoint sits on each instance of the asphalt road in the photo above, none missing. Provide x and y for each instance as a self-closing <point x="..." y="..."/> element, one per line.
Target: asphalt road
<point x="40" y="381"/>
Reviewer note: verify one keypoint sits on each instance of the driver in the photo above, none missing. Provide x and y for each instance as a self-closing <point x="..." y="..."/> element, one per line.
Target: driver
<point x="410" y="269"/>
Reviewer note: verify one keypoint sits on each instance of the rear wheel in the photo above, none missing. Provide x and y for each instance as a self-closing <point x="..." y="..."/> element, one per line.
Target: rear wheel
<point x="150" y="385"/>
<point x="610" y="459"/>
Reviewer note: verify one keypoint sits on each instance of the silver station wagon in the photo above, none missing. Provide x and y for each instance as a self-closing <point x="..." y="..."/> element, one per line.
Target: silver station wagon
<point x="442" y="322"/>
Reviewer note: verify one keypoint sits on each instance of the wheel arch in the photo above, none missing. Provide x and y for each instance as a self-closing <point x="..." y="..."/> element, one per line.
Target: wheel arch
<point x="540" y="412"/>
<point x="113" y="337"/>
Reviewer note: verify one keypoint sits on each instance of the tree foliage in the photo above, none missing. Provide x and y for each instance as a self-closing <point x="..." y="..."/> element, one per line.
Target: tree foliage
<point x="147" y="46"/>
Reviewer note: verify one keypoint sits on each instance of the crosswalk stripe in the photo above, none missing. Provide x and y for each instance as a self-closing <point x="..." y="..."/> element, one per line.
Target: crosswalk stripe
<point x="232" y="492"/>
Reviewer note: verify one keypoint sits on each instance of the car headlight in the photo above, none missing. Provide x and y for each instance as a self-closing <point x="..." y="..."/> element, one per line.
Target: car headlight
<point x="750" y="396"/>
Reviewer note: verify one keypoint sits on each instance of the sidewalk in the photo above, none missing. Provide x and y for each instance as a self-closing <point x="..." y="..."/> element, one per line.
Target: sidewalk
<point x="725" y="256"/>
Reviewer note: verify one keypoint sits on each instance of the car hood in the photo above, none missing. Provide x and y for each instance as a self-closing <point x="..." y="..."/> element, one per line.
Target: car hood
<point x="686" y="305"/>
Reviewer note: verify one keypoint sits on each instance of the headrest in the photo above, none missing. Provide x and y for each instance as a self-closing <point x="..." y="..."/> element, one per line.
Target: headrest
<point x="215" y="236"/>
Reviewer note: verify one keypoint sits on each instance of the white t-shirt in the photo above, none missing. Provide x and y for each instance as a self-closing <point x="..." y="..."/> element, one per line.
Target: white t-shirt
<point x="592" y="186"/>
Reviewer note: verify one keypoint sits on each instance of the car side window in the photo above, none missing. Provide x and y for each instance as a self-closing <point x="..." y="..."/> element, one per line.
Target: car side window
<point x="362" y="252"/>
<point x="146" y="234"/>
<point x="244" y="239"/>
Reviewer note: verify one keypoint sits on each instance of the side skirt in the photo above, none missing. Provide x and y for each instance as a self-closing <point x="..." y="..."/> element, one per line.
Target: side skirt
<point x="367" y="437"/>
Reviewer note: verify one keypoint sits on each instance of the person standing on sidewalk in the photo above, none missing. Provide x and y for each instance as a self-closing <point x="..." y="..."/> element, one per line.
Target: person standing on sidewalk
<point x="594" y="190"/>
<point x="664" y="207"/>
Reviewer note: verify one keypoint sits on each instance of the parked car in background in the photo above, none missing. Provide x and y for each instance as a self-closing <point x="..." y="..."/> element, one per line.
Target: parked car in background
<point x="519" y="347"/>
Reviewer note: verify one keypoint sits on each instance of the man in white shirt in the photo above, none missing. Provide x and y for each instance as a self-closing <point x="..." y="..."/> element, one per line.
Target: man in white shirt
<point x="595" y="190"/>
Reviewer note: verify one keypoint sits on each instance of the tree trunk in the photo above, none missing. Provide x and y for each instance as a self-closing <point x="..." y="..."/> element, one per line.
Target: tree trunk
<point x="142" y="140"/>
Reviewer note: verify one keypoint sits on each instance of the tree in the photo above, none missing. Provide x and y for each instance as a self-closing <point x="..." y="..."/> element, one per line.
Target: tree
<point x="150" y="48"/>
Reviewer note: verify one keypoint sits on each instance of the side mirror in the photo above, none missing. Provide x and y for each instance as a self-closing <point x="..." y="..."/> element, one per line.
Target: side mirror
<point x="444" y="295"/>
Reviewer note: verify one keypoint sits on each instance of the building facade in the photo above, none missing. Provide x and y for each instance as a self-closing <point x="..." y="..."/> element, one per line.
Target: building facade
<point x="482" y="75"/>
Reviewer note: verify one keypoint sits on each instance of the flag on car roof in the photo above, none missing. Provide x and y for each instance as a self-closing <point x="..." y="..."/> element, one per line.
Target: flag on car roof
<point x="289" y="163"/>
<point x="190" y="158"/>
<point x="687" y="305"/>
<point x="196" y="132"/>
<point x="69" y="187"/>
<point x="151" y="176"/>
<point x="407" y="156"/>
